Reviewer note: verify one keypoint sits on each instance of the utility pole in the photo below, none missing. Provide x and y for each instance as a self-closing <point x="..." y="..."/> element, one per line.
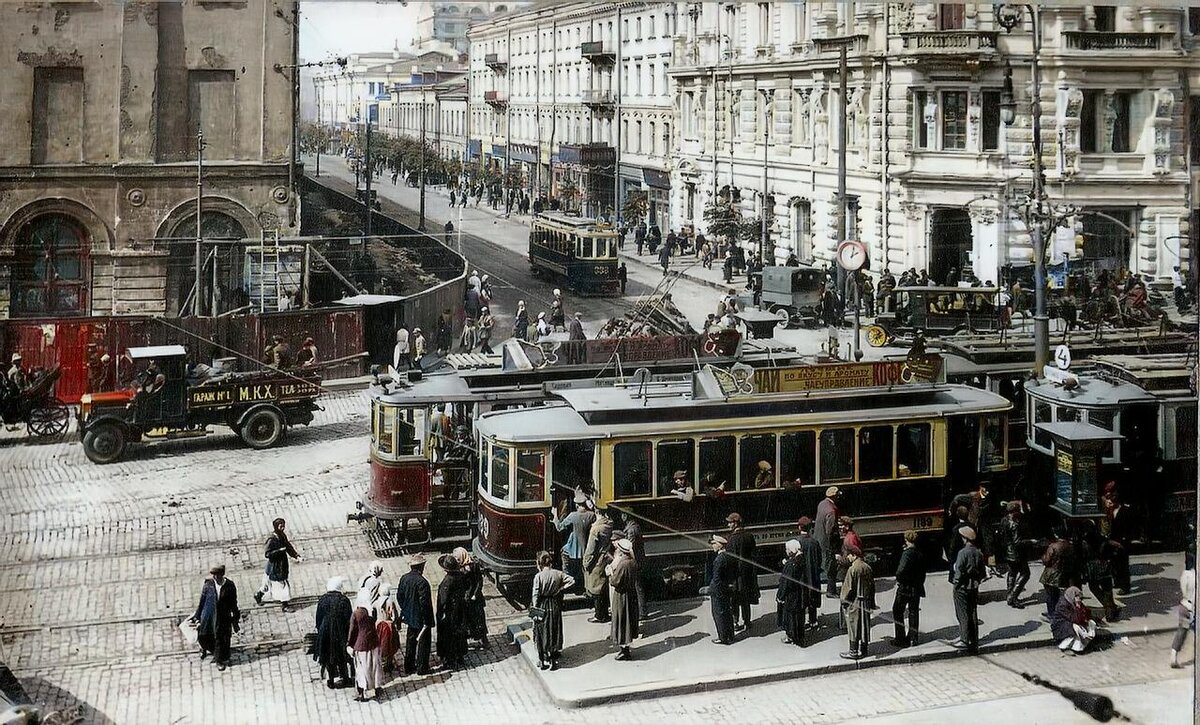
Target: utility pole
<point x="850" y="279"/>
<point x="766" y="251"/>
<point x="421" y="178"/>
<point x="317" y="96"/>
<point x="199" y="195"/>
<point x="293" y="151"/>
<point x="370" y="174"/>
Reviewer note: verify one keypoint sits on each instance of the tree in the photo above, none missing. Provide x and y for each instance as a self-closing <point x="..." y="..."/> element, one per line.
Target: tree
<point x="723" y="219"/>
<point x="568" y="191"/>
<point x="637" y="207"/>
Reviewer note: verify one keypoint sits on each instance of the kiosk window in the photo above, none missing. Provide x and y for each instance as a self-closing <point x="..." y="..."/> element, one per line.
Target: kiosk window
<point x="716" y="463"/>
<point x="837" y="455"/>
<point x="798" y="458"/>
<point x="912" y="449"/>
<point x="875" y="453"/>
<point x="991" y="443"/>
<point x="755" y="450"/>
<point x="675" y="456"/>
<point x="631" y="469"/>
<point x="531" y="476"/>
<point x="500" y="472"/>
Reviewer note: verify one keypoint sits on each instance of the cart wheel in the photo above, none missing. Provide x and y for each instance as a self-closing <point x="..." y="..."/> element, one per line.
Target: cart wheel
<point x="877" y="336"/>
<point x="50" y="420"/>
<point x="785" y="317"/>
<point x="104" y="443"/>
<point x="262" y="429"/>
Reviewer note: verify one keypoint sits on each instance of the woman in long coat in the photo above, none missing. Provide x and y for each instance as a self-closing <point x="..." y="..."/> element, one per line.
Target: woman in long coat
<point x="276" y="578"/>
<point x="790" y="595"/>
<point x="476" y="617"/>
<point x="521" y="322"/>
<point x="333" y="631"/>
<point x="363" y="639"/>
<point x="452" y="614"/>
<point x="548" y="587"/>
<point x="622" y="579"/>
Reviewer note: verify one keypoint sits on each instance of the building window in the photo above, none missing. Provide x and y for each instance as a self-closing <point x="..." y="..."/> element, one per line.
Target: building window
<point x="57" y="116"/>
<point x="801" y="20"/>
<point x="652" y="80"/>
<point x="625" y="30"/>
<point x="764" y="24"/>
<point x="1194" y="20"/>
<point x="1106" y="18"/>
<point x="685" y="113"/>
<point x="1194" y="128"/>
<point x="1117" y="107"/>
<point x="211" y="98"/>
<point x="652" y="146"/>
<point x="1121" y="109"/>
<point x="1089" y="112"/>
<point x="638" y="35"/>
<point x="920" y="131"/>
<point x="954" y="119"/>
<point x="991" y="120"/>
<point x="651" y="35"/>
<point x="951" y="15"/>
<point x="802" y="229"/>
<point x="49" y="271"/>
<point x="852" y="206"/>
<point x="637" y="147"/>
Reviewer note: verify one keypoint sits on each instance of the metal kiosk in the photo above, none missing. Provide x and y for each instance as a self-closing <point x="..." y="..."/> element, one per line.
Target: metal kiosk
<point x="1078" y="448"/>
<point x="761" y="325"/>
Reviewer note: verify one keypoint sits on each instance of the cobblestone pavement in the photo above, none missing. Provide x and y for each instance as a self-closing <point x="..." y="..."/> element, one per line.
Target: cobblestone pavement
<point x="98" y="564"/>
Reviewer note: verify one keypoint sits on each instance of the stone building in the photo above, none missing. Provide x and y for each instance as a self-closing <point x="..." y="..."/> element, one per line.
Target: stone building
<point x="443" y="96"/>
<point x="934" y="176"/>
<point x="98" y="174"/>
<point x="447" y="21"/>
<point x="348" y="96"/>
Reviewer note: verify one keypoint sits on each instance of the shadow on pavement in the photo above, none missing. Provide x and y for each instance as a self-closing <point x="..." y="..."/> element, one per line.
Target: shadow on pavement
<point x="50" y="698"/>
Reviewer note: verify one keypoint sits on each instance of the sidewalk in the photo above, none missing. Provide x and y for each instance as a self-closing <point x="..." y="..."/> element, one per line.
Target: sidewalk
<point x="676" y="654"/>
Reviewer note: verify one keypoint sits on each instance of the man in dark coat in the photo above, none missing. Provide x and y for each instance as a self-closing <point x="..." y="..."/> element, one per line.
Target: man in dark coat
<point x="858" y="599"/>
<point x="595" y="561"/>
<point x="1012" y="542"/>
<point x="416" y="610"/>
<point x="810" y="572"/>
<point x="981" y="515"/>
<point x="827" y="536"/>
<point x="217" y="616"/>
<point x="452" y="614"/>
<point x="333" y="630"/>
<point x="910" y="588"/>
<point x="789" y="595"/>
<point x="720" y="590"/>
<point x="968" y="572"/>
<point x="954" y="542"/>
<point x="742" y="547"/>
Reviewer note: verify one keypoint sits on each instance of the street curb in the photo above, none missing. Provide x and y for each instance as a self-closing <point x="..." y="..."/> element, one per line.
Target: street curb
<point x="516" y="629"/>
<point x="721" y="286"/>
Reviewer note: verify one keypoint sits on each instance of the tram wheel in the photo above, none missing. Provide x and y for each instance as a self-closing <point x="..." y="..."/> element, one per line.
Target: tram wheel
<point x="263" y="428"/>
<point x="105" y="443"/>
<point x="877" y="336"/>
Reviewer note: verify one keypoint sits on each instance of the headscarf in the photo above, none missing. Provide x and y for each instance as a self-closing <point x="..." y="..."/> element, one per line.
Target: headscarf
<point x="792" y="547"/>
<point x="461" y="554"/>
<point x="335" y="584"/>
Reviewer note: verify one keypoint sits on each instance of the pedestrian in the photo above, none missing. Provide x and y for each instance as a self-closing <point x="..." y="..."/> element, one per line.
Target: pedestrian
<point x="545" y="609"/>
<point x="887" y="283"/>
<point x="622" y="574"/>
<point x="742" y="547"/>
<point x="395" y="176"/>
<point x="333" y="631"/>
<point x="1122" y="525"/>
<point x="858" y="599"/>
<point x="596" y="558"/>
<point x="369" y="585"/>
<point x="416" y="607"/>
<point x="558" y="316"/>
<point x="363" y="640"/>
<point x="981" y="516"/>
<point x="968" y="572"/>
<point x="275" y="578"/>
<point x="575" y="328"/>
<point x="910" y="588"/>
<point x="622" y="276"/>
<point x="789" y="595"/>
<point x="387" y="616"/>
<point x="1012" y="549"/>
<point x="1179" y="289"/>
<point x="452" y="614"/>
<point x="664" y="258"/>
<point x="1055" y="565"/>
<point x="521" y="322"/>
<point x="1071" y="624"/>
<point x="474" y="280"/>
<point x="469" y="337"/>
<point x="453" y="198"/>
<point x="1185" y="612"/>
<point x="217" y="616"/>
<point x="449" y="230"/>
<point x="472" y="302"/>
<point x="720" y="590"/>
<point x="444" y="332"/>
<point x="810" y="572"/>
<point x="579" y="523"/>
<point x="954" y="542"/>
<point x="1099" y="575"/>
<point x="476" y="617"/>
<point x="633" y="532"/>
<point x="639" y="237"/>
<point x="419" y="347"/>
<point x="543" y="327"/>
<point x="484" y="334"/>
<point x="827" y="536"/>
<point x="727" y="269"/>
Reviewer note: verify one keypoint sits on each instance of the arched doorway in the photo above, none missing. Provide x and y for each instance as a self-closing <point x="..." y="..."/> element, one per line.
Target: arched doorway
<point x="950" y="240"/>
<point x="222" y="237"/>
<point x="50" y="267"/>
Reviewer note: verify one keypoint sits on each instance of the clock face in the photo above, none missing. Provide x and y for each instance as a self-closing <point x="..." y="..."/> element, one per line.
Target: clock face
<point x="851" y="255"/>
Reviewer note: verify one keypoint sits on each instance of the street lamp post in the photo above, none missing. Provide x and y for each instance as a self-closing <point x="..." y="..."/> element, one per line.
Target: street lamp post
<point x="421" y="177"/>
<point x="766" y="252"/>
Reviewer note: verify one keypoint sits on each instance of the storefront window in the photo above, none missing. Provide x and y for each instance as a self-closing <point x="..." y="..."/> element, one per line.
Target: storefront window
<point x="837" y="455"/>
<point x="675" y="456"/>
<point x="798" y="458"/>
<point x="717" y="463"/>
<point x="757" y="450"/>
<point x="875" y="453"/>
<point x="531" y="476"/>
<point x="912" y="449"/>
<point x="500" y="472"/>
<point x="631" y="469"/>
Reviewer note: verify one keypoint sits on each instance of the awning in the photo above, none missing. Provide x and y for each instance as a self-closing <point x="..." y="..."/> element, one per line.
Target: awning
<point x="657" y="179"/>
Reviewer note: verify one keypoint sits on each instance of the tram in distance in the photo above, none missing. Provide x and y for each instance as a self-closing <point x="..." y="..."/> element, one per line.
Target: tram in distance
<point x="897" y="451"/>
<point x="578" y="250"/>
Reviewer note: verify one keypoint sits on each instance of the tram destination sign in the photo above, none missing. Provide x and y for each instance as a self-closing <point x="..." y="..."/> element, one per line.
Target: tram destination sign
<point x="836" y="376"/>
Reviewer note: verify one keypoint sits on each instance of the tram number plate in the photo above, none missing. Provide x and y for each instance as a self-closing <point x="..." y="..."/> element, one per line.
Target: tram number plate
<point x="922" y="522"/>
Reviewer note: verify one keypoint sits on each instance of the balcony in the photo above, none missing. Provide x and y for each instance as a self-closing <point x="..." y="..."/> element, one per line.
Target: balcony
<point x="1095" y="40"/>
<point x="594" y="51"/>
<point x="855" y="44"/>
<point x="495" y="99"/>
<point x="495" y="62"/>
<point x="599" y="100"/>
<point x="948" y="47"/>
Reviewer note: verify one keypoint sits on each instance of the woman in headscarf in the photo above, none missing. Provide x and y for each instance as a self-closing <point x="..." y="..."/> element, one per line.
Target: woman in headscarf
<point x="789" y="595"/>
<point x="521" y="322"/>
<point x="275" y="579"/>
<point x="363" y="640"/>
<point x="333" y="630"/>
<point x="452" y="614"/>
<point x="1071" y="623"/>
<point x="386" y="614"/>
<point x="476" y="618"/>
<point x="548" y="587"/>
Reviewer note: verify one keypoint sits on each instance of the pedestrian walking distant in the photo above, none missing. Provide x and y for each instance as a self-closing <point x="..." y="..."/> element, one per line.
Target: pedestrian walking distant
<point x="217" y="616"/>
<point x="276" y="578"/>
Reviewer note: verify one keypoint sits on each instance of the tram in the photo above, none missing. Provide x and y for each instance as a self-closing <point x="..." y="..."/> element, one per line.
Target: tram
<point x="579" y="250"/>
<point x="899" y="446"/>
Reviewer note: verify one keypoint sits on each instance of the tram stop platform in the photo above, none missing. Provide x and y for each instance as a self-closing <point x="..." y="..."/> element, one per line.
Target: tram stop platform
<point x="676" y="654"/>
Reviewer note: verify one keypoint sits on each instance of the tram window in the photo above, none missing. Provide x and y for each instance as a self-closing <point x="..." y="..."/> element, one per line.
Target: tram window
<point x="572" y="467"/>
<point x="912" y="449"/>
<point x="1041" y="414"/>
<point x="1185" y="431"/>
<point x="875" y="453"/>
<point x="387" y="426"/>
<point x="500" y="472"/>
<point x="717" y="464"/>
<point x="631" y="469"/>
<point x="675" y="456"/>
<point x="837" y="455"/>
<point x="756" y="450"/>
<point x="991" y="443"/>
<point x="531" y="476"/>
<point x="484" y="466"/>
<point x="798" y="458"/>
<point x="1101" y="418"/>
<point x="1067" y="415"/>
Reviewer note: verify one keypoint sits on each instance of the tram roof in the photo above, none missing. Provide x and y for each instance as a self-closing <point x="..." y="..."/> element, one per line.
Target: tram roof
<point x="1017" y="348"/>
<point x="618" y="412"/>
<point x="1164" y="372"/>
<point x="1092" y="392"/>
<point x="579" y="222"/>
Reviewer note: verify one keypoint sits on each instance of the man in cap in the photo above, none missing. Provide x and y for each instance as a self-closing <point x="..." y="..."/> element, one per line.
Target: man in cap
<point x="420" y="347"/>
<point x="910" y="588"/>
<point x="579" y="523"/>
<point x="810" y="572"/>
<point x="967" y="573"/>
<point x="217" y="616"/>
<point x="17" y="376"/>
<point x="622" y="579"/>
<point x="858" y="599"/>
<point x="333" y="631"/>
<point x="742" y="546"/>
<point x="720" y="590"/>
<point x="595" y="561"/>
<point x="827" y="536"/>
<point x="416" y="610"/>
<point x="681" y="487"/>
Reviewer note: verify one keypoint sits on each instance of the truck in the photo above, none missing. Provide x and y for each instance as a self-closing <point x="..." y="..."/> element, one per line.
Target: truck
<point x="171" y="401"/>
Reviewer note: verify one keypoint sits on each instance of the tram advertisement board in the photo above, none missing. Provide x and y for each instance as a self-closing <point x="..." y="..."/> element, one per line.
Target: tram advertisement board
<point x="835" y="376"/>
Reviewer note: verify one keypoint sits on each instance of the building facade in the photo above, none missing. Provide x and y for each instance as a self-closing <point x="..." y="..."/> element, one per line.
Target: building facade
<point x="934" y="176"/>
<point x="98" y="159"/>
<point x="432" y="106"/>
<point x="345" y="97"/>
<point x="448" y="20"/>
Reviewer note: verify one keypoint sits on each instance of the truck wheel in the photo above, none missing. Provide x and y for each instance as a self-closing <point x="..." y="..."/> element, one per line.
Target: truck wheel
<point x="784" y="315"/>
<point x="262" y="428"/>
<point x="105" y="443"/>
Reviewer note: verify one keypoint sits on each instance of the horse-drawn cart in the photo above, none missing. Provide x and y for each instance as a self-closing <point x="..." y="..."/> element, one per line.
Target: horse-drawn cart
<point x="44" y="415"/>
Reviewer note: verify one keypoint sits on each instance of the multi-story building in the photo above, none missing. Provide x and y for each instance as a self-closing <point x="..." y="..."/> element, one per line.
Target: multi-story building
<point x="576" y="95"/>
<point x="105" y="105"/>
<point x="433" y="106"/>
<point x="933" y="174"/>
<point x="350" y="95"/>
<point x="448" y="20"/>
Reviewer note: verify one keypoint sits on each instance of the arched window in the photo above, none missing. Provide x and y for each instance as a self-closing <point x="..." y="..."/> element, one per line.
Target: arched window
<point x="220" y="232"/>
<point x="49" y="272"/>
